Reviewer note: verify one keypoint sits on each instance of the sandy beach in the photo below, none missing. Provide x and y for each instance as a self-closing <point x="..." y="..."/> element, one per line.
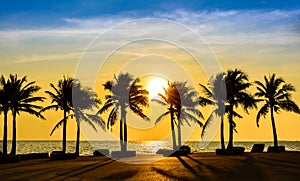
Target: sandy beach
<point x="200" y="166"/>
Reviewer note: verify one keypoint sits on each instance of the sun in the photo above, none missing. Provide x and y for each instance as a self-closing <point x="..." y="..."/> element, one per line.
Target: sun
<point x="155" y="86"/>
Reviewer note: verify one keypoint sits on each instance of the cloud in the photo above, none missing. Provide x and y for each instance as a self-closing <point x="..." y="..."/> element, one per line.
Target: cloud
<point x="233" y="27"/>
<point x="230" y="21"/>
<point x="218" y="28"/>
<point x="42" y="58"/>
<point x="240" y="26"/>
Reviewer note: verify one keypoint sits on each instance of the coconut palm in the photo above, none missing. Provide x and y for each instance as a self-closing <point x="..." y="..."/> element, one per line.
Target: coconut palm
<point x="125" y="92"/>
<point x="277" y="95"/>
<point x="84" y="99"/>
<point x="61" y="99"/>
<point x="182" y="105"/>
<point x="5" y="96"/>
<point x="215" y="94"/>
<point x="23" y="100"/>
<point x="170" y="93"/>
<point x="237" y="84"/>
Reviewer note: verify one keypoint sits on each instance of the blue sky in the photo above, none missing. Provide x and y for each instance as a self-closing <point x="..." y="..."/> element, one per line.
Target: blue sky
<point x="20" y="14"/>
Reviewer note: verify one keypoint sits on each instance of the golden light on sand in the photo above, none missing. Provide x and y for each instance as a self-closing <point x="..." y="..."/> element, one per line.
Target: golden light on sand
<point x="156" y="86"/>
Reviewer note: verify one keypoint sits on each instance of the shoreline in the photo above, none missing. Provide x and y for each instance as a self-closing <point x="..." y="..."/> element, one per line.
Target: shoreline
<point x="249" y="166"/>
<point x="87" y="149"/>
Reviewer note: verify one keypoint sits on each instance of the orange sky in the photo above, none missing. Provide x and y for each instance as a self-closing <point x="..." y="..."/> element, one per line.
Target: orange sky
<point x="31" y="128"/>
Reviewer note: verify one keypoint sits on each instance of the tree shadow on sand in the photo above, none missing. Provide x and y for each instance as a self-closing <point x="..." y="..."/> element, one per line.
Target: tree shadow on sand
<point x="83" y="170"/>
<point x="23" y="164"/>
<point x="37" y="173"/>
<point x="121" y="175"/>
<point x="293" y="163"/>
<point x="199" y="171"/>
<point x="232" y="168"/>
<point x="249" y="163"/>
<point x="23" y="173"/>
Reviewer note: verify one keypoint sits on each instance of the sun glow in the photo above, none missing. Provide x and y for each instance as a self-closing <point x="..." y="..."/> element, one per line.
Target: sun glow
<point x="156" y="86"/>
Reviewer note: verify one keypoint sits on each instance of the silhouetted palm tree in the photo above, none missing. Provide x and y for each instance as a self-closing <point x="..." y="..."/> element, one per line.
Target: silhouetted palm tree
<point x="125" y="92"/>
<point x="85" y="99"/>
<point x="215" y="94"/>
<point x="23" y="100"/>
<point x="276" y="94"/>
<point x="5" y="100"/>
<point x="61" y="99"/>
<point x="167" y="101"/>
<point x="182" y="104"/>
<point x="236" y="85"/>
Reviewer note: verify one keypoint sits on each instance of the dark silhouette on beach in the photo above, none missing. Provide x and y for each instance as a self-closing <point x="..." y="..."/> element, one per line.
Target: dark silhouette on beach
<point x="225" y="92"/>
<point x="276" y="94"/>
<point x="5" y="95"/>
<point x="182" y="105"/>
<point x="61" y="100"/>
<point x="124" y="92"/>
<point x="237" y="84"/>
<point x="19" y="97"/>
<point x="85" y="99"/>
<point x="215" y="95"/>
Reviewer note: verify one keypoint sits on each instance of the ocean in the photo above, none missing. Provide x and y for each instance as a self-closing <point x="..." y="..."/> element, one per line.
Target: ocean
<point x="142" y="147"/>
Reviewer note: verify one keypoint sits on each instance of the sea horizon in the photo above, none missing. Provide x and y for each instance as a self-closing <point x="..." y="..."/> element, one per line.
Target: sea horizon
<point x="141" y="147"/>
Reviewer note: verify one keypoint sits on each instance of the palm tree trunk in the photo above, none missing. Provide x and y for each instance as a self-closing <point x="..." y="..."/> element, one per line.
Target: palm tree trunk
<point x="222" y="133"/>
<point x="14" y="135"/>
<point x="64" y="142"/>
<point x="230" y="143"/>
<point x="173" y="131"/>
<point x="5" y="133"/>
<point x="121" y="132"/>
<point x="179" y="134"/>
<point x="125" y="131"/>
<point x="78" y="138"/>
<point x="274" y="128"/>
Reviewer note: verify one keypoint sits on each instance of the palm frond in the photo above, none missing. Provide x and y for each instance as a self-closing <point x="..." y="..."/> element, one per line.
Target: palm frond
<point x="161" y="117"/>
<point x="97" y="119"/>
<point x="163" y="97"/>
<point x="207" y="123"/>
<point x="51" y="107"/>
<point x="81" y="116"/>
<point x="138" y="111"/>
<point x="159" y="102"/>
<point x="235" y="114"/>
<point x="32" y="111"/>
<point x="106" y="106"/>
<point x="112" y="117"/>
<point x="262" y="112"/>
<point x="60" y="123"/>
<point x="203" y="101"/>
<point x="192" y="118"/>
<point x="33" y="99"/>
<point x="206" y="91"/>
<point x="289" y="105"/>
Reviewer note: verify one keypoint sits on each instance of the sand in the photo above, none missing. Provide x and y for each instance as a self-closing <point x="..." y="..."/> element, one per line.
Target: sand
<point x="202" y="166"/>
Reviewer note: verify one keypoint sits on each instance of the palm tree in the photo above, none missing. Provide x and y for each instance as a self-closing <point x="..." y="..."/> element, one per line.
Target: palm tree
<point x="215" y="94"/>
<point x="168" y="100"/>
<point x="5" y="96"/>
<point x="61" y="99"/>
<point x="84" y="99"/>
<point x="182" y="103"/>
<point x="23" y="100"/>
<point x="236" y="85"/>
<point x="125" y="92"/>
<point x="277" y="95"/>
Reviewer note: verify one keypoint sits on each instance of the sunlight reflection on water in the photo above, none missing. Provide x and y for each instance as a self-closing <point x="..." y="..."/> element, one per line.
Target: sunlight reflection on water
<point x="142" y="147"/>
